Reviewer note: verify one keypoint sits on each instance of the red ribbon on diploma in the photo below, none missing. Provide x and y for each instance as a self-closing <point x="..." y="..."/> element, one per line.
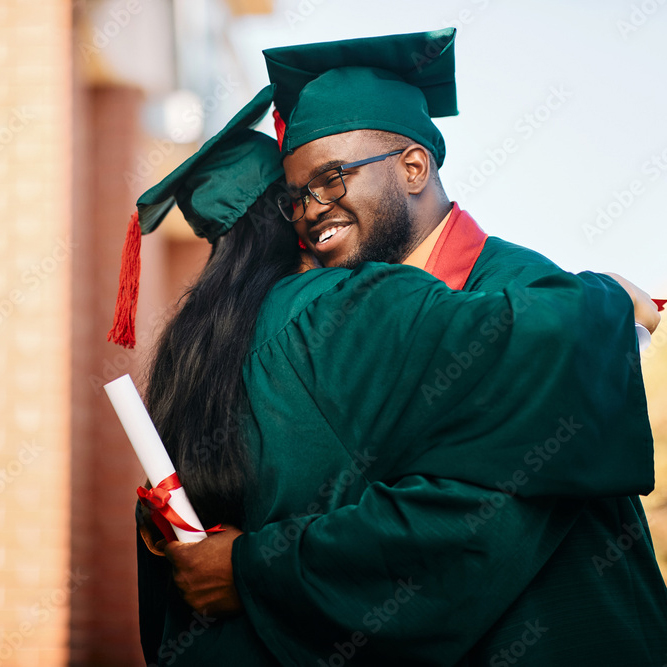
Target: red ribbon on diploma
<point x="660" y="303"/>
<point x="164" y="516"/>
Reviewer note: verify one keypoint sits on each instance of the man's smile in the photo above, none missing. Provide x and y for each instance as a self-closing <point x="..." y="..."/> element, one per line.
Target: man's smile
<point x="328" y="236"/>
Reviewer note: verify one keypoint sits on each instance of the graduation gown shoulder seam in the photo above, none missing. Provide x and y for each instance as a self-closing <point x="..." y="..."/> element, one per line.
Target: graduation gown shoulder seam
<point x="275" y="334"/>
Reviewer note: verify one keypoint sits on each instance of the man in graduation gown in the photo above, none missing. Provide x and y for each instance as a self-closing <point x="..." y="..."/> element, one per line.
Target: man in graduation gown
<point x="467" y="545"/>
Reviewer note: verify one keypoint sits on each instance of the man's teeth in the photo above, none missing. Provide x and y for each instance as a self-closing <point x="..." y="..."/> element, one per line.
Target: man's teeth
<point x="328" y="233"/>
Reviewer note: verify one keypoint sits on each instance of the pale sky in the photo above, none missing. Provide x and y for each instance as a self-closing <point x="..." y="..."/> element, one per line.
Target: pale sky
<point x="602" y="146"/>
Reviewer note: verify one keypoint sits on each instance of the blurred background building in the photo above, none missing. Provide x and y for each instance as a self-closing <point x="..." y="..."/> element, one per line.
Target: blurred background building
<point x="99" y="100"/>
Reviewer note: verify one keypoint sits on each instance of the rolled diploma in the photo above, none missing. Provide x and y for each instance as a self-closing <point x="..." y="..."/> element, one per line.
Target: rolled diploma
<point x="149" y="449"/>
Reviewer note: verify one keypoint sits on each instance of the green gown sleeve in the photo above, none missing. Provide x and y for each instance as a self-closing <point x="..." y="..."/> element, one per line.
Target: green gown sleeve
<point x="461" y="401"/>
<point x="412" y="575"/>
<point x="531" y="390"/>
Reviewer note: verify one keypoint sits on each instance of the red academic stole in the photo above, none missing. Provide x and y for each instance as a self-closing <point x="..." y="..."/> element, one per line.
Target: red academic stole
<point x="457" y="249"/>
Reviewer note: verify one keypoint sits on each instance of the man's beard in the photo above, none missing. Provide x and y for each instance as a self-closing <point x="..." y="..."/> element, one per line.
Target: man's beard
<point x="392" y="235"/>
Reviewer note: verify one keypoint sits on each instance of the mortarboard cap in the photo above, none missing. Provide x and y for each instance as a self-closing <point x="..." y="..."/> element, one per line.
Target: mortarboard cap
<point x="213" y="188"/>
<point x="395" y="83"/>
<point x="216" y="186"/>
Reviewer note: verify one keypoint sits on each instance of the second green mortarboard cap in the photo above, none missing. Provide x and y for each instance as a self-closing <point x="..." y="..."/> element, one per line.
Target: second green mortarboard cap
<point x="213" y="188"/>
<point x="216" y="186"/>
<point x="395" y="83"/>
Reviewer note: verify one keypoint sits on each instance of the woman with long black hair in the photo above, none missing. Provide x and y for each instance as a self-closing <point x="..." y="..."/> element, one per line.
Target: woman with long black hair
<point x="350" y="428"/>
<point x="196" y="384"/>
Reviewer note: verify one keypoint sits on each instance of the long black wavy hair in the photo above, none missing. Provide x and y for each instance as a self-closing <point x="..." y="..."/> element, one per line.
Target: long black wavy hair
<point x="195" y="394"/>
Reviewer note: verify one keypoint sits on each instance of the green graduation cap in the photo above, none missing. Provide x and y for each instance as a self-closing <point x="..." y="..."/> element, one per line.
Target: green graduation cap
<point x="395" y="83"/>
<point x="213" y="188"/>
<point x="216" y="186"/>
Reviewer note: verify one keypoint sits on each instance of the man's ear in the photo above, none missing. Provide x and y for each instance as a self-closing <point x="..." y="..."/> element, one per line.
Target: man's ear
<point x="416" y="161"/>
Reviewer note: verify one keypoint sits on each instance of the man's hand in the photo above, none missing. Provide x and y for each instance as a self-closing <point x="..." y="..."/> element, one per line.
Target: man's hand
<point x="646" y="312"/>
<point x="203" y="572"/>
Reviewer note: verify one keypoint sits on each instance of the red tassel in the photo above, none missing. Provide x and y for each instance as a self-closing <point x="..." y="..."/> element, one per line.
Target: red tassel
<point x="660" y="303"/>
<point x="122" y="330"/>
<point x="280" y="128"/>
<point x="302" y="245"/>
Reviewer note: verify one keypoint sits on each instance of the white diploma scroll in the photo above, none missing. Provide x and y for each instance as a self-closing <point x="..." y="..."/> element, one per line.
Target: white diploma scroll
<point x="151" y="452"/>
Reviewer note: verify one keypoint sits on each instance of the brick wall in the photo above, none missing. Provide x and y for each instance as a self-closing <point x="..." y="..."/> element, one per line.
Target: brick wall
<point x="110" y="145"/>
<point x="105" y="472"/>
<point x="67" y="473"/>
<point x="36" y="581"/>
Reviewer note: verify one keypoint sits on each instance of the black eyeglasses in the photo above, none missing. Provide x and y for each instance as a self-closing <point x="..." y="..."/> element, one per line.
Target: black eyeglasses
<point x="326" y="188"/>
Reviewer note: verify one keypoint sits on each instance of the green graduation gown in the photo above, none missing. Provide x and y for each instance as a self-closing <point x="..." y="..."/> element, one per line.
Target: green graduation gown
<point x="408" y="441"/>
